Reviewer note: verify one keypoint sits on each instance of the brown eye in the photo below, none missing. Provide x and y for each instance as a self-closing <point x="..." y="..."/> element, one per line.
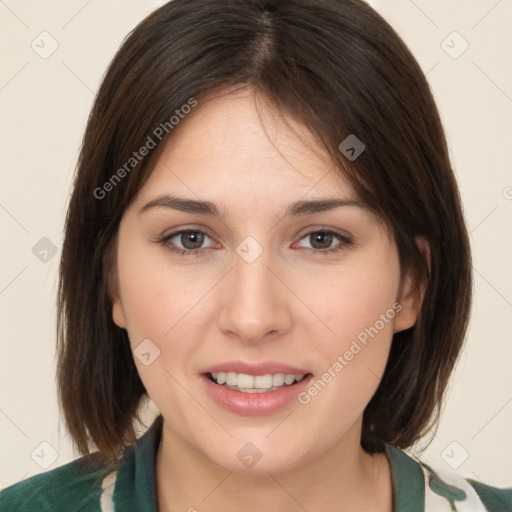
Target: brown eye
<point x="321" y="240"/>
<point x="186" y="241"/>
<point x="191" y="239"/>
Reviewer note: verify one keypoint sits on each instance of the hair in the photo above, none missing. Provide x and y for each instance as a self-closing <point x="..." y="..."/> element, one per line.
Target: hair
<point x="337" y="68"/>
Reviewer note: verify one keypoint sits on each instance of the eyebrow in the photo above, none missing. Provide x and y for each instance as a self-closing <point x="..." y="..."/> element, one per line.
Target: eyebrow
<point x="296" y="209"/>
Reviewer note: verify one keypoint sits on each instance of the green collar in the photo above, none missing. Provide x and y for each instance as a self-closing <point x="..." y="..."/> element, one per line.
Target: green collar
<point x="408" y="481"/>
<point x="135" y="488"/>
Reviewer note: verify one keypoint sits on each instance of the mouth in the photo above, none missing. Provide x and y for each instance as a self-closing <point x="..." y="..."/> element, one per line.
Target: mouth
<point x="255" y="389"/>
<point x="246" y="383"/>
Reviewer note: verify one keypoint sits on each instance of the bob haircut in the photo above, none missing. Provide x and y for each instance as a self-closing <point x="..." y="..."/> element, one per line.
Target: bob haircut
<point x="338" y="68"/>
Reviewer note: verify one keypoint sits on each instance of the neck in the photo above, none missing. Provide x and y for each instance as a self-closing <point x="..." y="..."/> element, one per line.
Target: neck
<point x="344" y="478"/>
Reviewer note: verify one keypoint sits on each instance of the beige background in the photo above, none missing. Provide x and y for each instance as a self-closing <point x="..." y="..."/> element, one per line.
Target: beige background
<point x="44" y="103"/>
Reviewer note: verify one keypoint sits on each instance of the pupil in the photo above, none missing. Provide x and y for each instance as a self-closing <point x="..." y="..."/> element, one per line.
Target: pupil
<point x="192" y="240"/>
<point x="326" y="238"/>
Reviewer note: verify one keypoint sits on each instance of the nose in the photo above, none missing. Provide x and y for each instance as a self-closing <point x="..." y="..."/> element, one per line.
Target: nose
<point x="256" y="302"/>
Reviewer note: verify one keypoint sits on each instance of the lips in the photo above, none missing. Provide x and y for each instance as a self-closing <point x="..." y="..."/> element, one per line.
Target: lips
<point x="254" y="388"/>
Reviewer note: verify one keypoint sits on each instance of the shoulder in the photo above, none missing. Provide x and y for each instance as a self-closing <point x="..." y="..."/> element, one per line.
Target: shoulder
<point x="442" y="489"/>
<point x="86" y="485"/>
<point x="77" y="486"/>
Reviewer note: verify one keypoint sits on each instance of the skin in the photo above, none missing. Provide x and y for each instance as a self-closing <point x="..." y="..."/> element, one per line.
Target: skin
<point x="290" y="305"/>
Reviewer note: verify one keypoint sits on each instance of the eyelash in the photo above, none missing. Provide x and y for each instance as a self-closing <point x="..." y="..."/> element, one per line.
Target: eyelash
<point x="344" y="242"/>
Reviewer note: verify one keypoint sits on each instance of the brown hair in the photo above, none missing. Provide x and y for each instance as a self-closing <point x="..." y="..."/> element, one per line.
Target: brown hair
<point x="336" y="67"/>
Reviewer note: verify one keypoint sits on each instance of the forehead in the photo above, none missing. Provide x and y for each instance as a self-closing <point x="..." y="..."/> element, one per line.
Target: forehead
<point x="236" y="146"/>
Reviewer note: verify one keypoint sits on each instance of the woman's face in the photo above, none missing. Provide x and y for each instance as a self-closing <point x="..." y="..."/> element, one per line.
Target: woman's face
<point x="251" y="301"/>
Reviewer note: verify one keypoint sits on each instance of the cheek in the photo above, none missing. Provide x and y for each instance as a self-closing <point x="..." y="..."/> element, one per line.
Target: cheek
<point x="159" y="304"/>
<point x="358" y="304"/>
<point x="353" y="297"/>
<point x="156" y="297"/>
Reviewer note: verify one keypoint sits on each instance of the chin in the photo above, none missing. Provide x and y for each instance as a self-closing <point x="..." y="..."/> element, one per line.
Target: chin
<point x="257" y="457"/>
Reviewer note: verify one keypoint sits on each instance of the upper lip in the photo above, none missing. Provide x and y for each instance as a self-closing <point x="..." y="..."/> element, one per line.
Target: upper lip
<point x="261" y="368"/>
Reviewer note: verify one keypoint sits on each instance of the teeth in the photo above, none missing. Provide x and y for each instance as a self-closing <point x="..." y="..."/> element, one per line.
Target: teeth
<point x="255" y="384"/>
<point x="278" y="379"/>
<point x="247" y="381"/>
<point x="262" y="381"/>
<point x="231" y="378"/>
<point x="289" y="379"/>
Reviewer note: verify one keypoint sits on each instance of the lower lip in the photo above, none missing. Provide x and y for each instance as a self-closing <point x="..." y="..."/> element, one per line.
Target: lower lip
<point x="255" y="404"/>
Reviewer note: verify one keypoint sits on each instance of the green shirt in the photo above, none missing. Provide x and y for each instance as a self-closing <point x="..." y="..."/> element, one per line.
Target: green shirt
<point x="83" y="485"/>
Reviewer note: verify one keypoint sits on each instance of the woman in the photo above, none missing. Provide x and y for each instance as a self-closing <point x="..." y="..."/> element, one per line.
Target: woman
<point x="265" y="237"/>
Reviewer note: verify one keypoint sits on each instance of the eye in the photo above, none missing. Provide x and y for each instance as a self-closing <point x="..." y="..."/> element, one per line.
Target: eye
<point x="186" y="241"/>
<point x="321" y="241"/>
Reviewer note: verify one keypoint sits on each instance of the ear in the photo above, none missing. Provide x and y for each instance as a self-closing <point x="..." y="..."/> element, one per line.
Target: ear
<point x="110" y="266"/>
<point x="412" y="294"/>
<point x="118" y="312"/>
<point x="118" y="315"/>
